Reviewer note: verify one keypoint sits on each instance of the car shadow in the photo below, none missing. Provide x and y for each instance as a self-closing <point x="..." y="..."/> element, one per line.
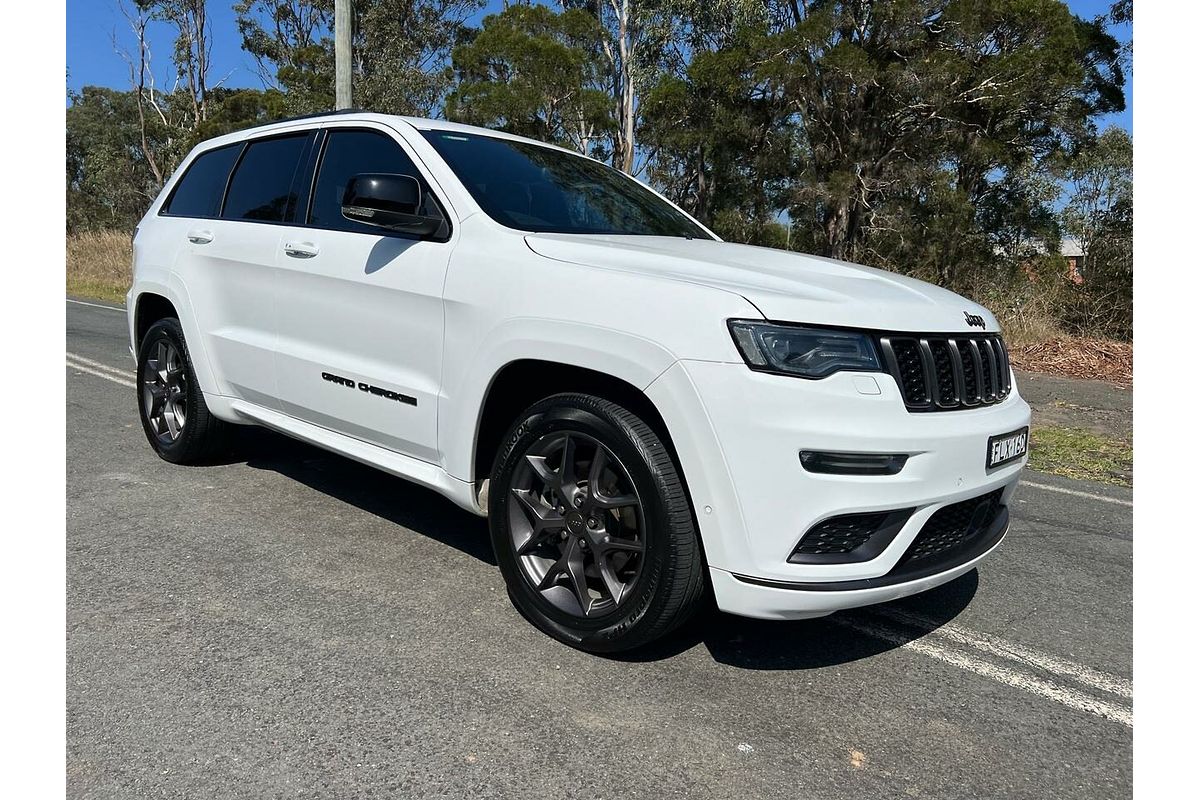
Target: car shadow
<point x="735" y="641"/>
<point x="393" y="499"/>
<point x="815" y="643"/>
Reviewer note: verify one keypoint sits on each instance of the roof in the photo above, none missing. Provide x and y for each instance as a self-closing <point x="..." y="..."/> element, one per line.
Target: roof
<point x="353" y="115"/>
<point x="1070" y="247"/>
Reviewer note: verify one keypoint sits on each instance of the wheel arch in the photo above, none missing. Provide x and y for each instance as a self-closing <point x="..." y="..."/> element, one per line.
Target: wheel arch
<point x="522" y="382"/>
<point x="163" y="295"/>
<point x="149" y="308"/>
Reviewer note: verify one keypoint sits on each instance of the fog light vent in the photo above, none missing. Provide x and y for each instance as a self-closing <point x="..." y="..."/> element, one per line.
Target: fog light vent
<point x="849" y="537"/>
<point x="852" y="463"/>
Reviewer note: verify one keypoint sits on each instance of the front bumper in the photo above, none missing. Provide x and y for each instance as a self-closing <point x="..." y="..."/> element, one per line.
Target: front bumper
<point x="738" y="434"/>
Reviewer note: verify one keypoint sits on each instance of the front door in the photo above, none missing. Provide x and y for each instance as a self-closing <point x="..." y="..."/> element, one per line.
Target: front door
<point x="359" y="319"/>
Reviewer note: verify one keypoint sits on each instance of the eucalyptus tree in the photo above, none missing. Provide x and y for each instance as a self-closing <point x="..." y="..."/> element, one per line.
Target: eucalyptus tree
<point x="536" y="72"/>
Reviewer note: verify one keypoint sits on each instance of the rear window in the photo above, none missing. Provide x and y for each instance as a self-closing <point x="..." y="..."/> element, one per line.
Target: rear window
<point x="262" y="188"/>
<point x="198" y="193"/>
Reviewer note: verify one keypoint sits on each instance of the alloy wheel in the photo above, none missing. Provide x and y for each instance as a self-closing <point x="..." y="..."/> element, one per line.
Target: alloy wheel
<point x="164" y="391"/>
<point x="578" y="530"/>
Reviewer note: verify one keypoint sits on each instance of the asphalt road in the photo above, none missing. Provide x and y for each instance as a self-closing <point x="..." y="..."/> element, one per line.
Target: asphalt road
<point x="289" y="623"/>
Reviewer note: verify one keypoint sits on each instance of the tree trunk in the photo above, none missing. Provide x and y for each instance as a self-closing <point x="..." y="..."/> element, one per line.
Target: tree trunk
<point x="626" y="99"/>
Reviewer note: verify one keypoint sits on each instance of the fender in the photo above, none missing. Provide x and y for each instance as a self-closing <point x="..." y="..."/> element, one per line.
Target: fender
<point x="631" y="358"/>
<point x="163" y="282"/>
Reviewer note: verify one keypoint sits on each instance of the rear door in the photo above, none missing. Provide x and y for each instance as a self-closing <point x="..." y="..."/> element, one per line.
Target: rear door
<point x="227" y="261"/>
<point x="359" y="317"/>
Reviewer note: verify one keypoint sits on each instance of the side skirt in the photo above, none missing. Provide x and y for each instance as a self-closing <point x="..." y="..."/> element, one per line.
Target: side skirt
<point x="420" y="472"/>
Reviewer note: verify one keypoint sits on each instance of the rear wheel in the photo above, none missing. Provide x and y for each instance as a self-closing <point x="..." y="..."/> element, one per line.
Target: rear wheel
<point x="174" y="416"/>
<point x="592" y="527"/>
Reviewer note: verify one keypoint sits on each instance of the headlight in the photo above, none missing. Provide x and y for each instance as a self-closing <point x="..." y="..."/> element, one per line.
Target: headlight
<point x="804" y="352"/>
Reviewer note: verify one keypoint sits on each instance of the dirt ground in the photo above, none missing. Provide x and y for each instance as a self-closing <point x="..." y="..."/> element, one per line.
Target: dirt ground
<point x="1102" y="408"/>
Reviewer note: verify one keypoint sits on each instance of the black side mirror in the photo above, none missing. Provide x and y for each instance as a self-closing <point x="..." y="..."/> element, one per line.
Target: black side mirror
<point x="388" y="201"/>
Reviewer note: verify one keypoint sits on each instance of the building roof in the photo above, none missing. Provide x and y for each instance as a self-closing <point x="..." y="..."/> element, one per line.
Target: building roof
<point x="1070" y="247"/>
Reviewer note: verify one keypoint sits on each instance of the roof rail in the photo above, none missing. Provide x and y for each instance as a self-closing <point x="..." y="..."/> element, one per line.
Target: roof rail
<point x="313" y="115"/>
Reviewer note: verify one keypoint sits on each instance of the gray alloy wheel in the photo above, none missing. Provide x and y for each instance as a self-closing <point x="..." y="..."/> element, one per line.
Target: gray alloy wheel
<point x="164" y="388"/>
<point x="174" y="415"/>
<point x="577" y="524"/>
<point x="592" y="527"/>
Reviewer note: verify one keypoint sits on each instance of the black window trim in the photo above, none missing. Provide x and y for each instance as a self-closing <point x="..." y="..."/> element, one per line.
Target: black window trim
<point x="314" y="166"/>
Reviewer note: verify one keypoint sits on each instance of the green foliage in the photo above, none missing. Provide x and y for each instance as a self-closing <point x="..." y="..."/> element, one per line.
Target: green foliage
<point x="110" y="180"/>
<point x="109" y="183"/>
<point x="1099" y="215"/>
<point x="401" y="47"/>
<point x="537" y="73"/>
<point x="953" y="140"/>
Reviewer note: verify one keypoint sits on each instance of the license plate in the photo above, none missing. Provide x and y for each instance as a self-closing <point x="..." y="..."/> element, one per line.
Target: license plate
<point x="1006" y="447"/>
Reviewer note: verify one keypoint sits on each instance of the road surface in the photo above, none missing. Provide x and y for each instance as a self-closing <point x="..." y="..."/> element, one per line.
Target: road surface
<point x="288" y="623"/>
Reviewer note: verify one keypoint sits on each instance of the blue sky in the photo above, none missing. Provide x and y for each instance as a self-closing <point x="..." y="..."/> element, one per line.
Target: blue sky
<point x="92" y="59"/>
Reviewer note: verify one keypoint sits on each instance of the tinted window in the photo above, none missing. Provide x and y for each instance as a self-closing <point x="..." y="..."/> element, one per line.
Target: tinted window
<point x="262" y="185"/>
<point x="198" y="193"/>
<point x="350" y="153"/>
<point x="536" y="188"/>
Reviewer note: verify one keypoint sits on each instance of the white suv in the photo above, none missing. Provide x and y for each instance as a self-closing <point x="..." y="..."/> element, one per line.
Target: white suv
<point x="641" y="410"/>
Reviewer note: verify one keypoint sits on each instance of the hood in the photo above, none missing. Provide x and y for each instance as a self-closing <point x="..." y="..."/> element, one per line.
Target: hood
<point x="784" y="286"/>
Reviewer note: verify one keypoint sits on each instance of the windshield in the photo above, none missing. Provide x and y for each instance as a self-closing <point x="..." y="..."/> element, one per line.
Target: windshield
<point x="535" y="188"/>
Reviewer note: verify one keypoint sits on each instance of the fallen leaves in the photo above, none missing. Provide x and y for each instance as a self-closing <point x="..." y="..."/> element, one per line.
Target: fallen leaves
<point x="1078" y="357"/>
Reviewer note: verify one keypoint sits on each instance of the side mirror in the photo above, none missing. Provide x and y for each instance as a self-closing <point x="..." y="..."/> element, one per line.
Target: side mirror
<point x="388" y="201"/>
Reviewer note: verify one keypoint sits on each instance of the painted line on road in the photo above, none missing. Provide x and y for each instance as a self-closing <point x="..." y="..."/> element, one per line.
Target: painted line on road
<point x="1075" y="493"/>
<point x="107" y="374"/>
<point x="997" y="646"/>
<point x="96" y="305"/>
<point x="120" y="373"/>
<point x="1064" y="695"/>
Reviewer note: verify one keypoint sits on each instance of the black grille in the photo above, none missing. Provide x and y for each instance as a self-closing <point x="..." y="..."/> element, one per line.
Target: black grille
<point x="850" y="537"/>
<point x="953" y="527"/>
<point x="840" y="534"/>
<point x="945" y="373"/>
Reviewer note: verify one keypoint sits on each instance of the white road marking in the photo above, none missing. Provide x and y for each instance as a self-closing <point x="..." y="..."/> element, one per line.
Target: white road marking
<point x="121" y="373"/>
<point x="1071" y="698"/>
<point x="994" y="645"/>
<point x="96" y="305"/>
<point x="108" y="373"/>
<point x="1074" y="493"/>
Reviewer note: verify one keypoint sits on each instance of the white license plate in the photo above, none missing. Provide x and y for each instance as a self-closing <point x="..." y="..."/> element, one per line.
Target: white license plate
<point x="1007" y="447"/>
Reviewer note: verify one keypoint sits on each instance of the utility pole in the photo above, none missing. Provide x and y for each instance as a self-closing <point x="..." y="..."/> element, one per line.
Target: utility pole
<point x="341" y="53"/>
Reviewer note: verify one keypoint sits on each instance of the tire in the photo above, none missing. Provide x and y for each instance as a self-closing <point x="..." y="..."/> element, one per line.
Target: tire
<point x="176" y="420"/>
<point x="603" y="558"/>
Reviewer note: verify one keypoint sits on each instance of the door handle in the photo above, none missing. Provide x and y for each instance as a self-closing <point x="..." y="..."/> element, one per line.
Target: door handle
<point x="199" y="237"/>
<point x="300" y="249"/>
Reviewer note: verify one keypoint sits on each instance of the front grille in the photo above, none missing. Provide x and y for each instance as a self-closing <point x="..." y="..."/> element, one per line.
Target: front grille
<point x="938" y="372"/>
<point x="952" y="527"/>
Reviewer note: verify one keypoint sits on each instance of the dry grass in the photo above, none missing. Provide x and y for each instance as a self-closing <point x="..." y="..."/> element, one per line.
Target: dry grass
<point x="1079" y="453"/>
<point x="1038" y="344"/>
<point x="99" y="265"/>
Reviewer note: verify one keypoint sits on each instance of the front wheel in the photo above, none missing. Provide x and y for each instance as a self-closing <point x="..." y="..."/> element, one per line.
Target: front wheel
<point x="592" y="527"/>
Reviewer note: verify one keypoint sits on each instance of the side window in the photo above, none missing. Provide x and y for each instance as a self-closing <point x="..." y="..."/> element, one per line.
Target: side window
<point x="199" y="191"/>
<point x="263" y="185"/>
<point x="350" y="153"/>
